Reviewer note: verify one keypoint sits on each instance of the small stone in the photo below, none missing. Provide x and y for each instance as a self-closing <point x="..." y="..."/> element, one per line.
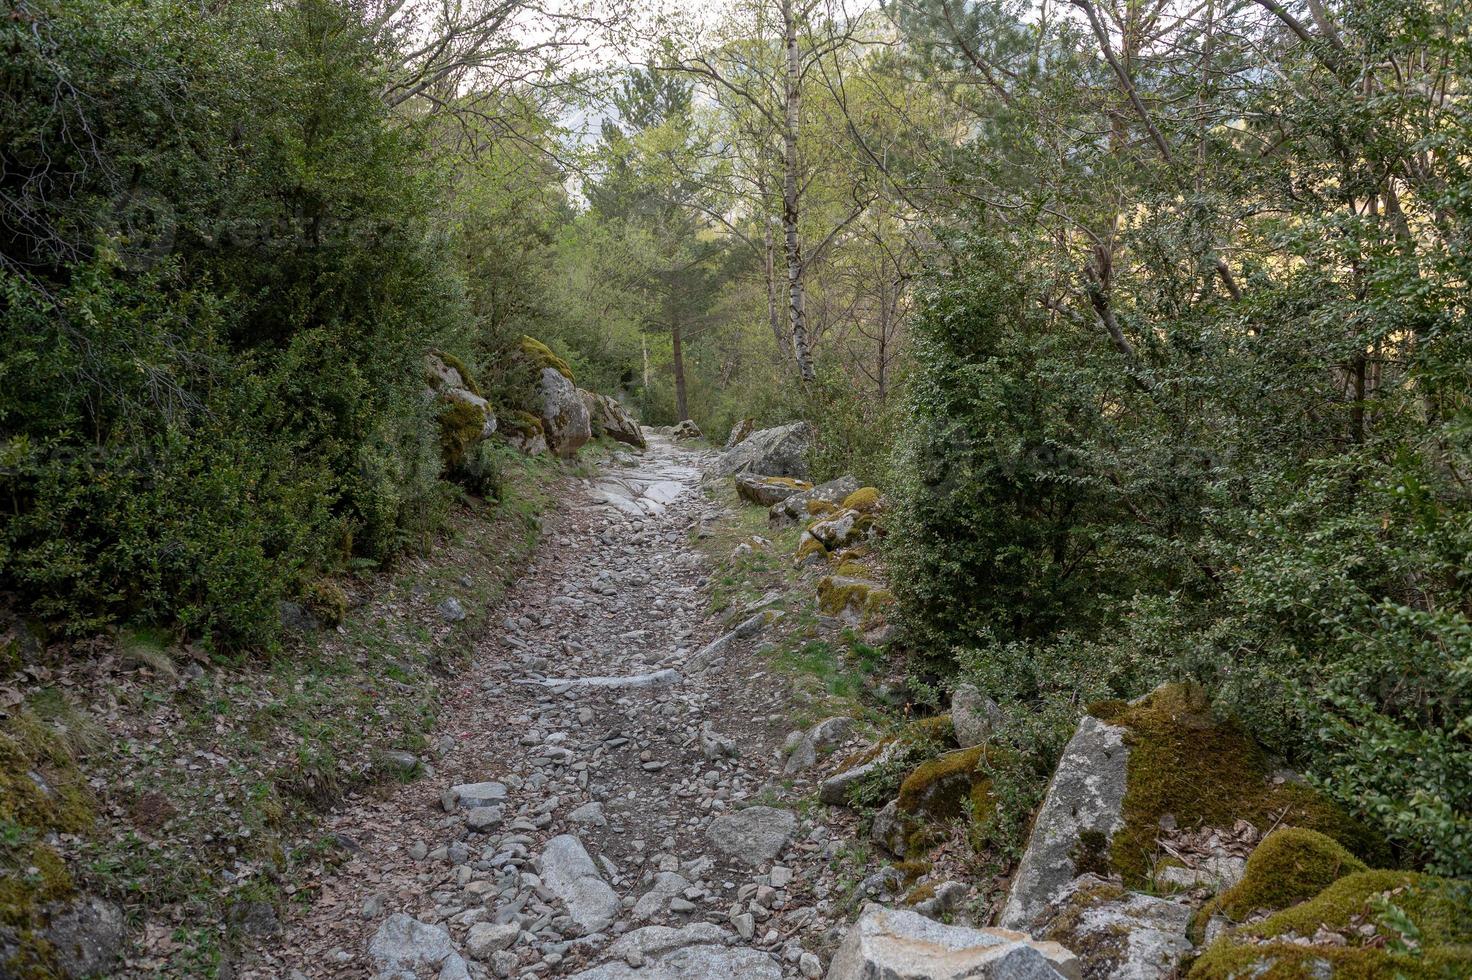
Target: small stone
<point x="486" y="938"/>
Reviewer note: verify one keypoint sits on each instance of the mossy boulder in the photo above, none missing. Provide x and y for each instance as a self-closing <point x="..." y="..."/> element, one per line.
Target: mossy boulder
<point x="796" y="508"/>
<point x="540" y="356"/>
<point x="608" y="418"/>
<point x="809" y="550"/>
<point x="42" y="793"/>
<point x="768" y="490"/>
<point x="854" y="600"/>
<point x="463" y="425"/>
<point x="843" y="529"/>
<point x="1366" y="925"/>
<point x="865" y="500"/>
<point x="523" y="431"/>
<point x="326" y="600"/>
<point x="1202" y="770"/>
<point x="1291" y="865"/>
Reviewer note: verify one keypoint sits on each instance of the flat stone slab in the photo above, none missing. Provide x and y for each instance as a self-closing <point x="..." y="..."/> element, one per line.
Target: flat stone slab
<point x="1086" y="795"/>
<point x="897" y="944"/>
<point x="754" y="835"/>
<point x="570" y="874"/>
<point x="658" y="678"/>
<point x="654" y="941"/>
<point x="694" y="963"/>
<point x="471" y="795"/>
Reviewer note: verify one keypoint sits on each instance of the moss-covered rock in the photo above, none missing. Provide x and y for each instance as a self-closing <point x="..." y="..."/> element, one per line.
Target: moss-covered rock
<point x="541" y="356"/>
<point x="853" y="600"/>
<point x="42" y="793"/>
<point x="768" y="490"/>
<point x="865" y="500"/>
<point x="326" y="600"/>
<point x="821" y="508"/>
<point x="523" y="431"/>
<point x="943" y="790"/>
<point x="1366" y="925"/>
<point x="462" y="426"/>
<point x="467" y="379"/>
<point x="809" y="549"/>
<point x="1205" y="771"/>
<point x="1291" y="865"/>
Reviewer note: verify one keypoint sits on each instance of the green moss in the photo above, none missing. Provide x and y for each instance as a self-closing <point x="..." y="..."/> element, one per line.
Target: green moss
<point x="837" y="594"/>
<point x="938" y="787"/>
<point x="850" y="569"/>
<point x="821" y="508"/>
<point x="452" y="361"/>
<point x="461" y="424"/>
<point x="1391" y="923"/>
<point x="808" y="547"/>
<point x="516" y="422"/>
<point x="864" y="500"/>
<point x="542" y="357"/>
<point x="327" y="601"/>
<point x="1288" y="867"/>
<point x="922" y="892"/>
<point x="1206" y="772"/>
<point x="41" y="792"/>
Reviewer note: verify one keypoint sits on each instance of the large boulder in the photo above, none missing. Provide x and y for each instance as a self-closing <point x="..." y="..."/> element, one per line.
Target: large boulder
<point x="897" y="944"/>
<point x="739" y="432"/>
<point x="830" y="494"/>
<point x="1079" y="818"/>
<point x="564" y="416"/>
<point x="465" y="418"/>
<point x="782" y="451"/>
<point x="609" y="418"/>
<point x="686" y="430"/>
<point x="570" y="874"/>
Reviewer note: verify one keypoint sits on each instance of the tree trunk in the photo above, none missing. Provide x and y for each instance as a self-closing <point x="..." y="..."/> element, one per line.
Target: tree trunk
<point x="796" y="304"/>
<point x="682" y="405"/>
<point x="774" y="311"/>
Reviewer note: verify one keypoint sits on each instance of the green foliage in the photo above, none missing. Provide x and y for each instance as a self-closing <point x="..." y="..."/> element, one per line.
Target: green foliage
<point x="213" y="313"/>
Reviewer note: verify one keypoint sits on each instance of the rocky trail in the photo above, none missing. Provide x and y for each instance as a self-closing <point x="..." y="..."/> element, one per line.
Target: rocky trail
<point x="605" y="800"/>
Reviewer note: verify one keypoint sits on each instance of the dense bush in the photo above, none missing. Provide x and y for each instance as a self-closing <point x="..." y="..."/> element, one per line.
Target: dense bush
<point x="218" y="284"/>
<point x="1066" y="535"/>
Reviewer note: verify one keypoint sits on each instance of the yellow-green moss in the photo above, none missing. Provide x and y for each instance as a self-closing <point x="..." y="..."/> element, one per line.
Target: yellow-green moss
<point x="864" y="500"/>
<point x="461" y="424"/>
<point x="837" y="594"/>
<point x="1288" y="867"/>
<point x="542" y="357"/>
<point x="808" y="547"/>
<point x="1439" y="911"/>
<point x="850" y="569"/>
<point x="922" y="892"/>
<point x="938" y="788"/>
<point x="32" y="874"/>
<point x="327" y="601"/>
<point x="1207" y="772"/>
<point x="451" y="361"/>
<point x="519" y="423"/>
<point x="821" y="508"/>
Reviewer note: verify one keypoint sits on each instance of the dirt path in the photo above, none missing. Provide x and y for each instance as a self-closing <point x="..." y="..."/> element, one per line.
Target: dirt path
<point x="589" y="811"/>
